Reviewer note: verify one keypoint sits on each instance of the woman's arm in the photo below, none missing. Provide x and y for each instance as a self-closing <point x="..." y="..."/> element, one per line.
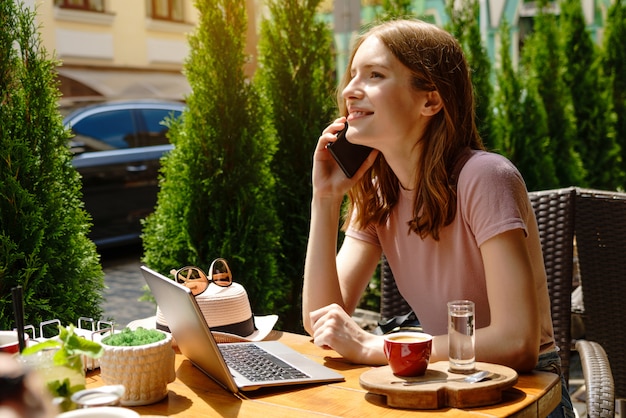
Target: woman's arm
<point x="331" y="278"/>
<point x="332" y="325"/>
<point x="323" y="283"/>
<point x="334" y="283"/>
<point x="514" y="335"/>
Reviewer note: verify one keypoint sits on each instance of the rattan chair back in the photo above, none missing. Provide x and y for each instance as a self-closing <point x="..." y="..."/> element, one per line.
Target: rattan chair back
<point x="601" y="243"/>
<point x="392" y="303"/>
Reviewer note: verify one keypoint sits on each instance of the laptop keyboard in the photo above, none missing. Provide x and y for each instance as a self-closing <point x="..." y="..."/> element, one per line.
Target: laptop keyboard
<point x="256" y="364"/>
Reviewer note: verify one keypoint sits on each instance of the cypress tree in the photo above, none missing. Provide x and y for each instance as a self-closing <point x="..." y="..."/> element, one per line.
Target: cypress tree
<point x="583" y="78"/>
<point x="296" y="74"/>
<point x="43" y="226"/>
<point x="217" y="191"/>
<point x="614" y="64"/>
<point x="464" y="25"/>
<point x="545" y="66"/>
<point x="519" y="129"/>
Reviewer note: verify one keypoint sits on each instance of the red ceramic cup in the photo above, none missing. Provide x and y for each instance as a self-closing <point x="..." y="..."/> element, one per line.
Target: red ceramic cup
<point x="408" y="352"/>
<point x="9" y="343"/>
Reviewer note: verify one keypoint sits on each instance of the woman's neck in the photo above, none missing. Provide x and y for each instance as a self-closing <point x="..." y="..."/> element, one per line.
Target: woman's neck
<point x="405" y="166"/>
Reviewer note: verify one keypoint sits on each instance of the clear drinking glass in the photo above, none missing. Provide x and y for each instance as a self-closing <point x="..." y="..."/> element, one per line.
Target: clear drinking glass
<point x="62" y="380"/>
<point x="461" y="340"/>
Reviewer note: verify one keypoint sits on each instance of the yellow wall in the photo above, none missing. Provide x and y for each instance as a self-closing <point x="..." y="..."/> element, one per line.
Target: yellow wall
<point x="122" y="37"/>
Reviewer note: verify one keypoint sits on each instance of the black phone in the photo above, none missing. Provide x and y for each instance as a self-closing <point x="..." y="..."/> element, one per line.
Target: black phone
<point x="349" y="156"/>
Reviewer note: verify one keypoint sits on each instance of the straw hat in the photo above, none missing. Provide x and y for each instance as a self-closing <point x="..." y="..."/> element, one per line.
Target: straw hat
<point x="227" y="312"/>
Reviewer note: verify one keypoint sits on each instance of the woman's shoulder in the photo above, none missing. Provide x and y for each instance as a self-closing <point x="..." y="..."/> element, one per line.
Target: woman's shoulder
<point x="480" y="157"/>
<point x="488" y="169"/>
<point x="485" y="163"/>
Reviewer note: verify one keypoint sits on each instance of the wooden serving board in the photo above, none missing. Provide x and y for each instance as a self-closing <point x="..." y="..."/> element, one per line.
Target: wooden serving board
<point x="439" y="394"/>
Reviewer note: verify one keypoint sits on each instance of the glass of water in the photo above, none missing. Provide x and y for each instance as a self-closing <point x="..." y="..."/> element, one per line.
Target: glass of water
<point x="461" y="340"/>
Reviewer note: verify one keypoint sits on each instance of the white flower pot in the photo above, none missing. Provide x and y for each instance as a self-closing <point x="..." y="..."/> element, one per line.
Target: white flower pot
<point x="144" y="370"/>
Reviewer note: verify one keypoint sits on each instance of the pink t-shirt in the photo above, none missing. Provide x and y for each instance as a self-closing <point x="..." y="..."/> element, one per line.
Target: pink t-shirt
<point x="492" y="199"/>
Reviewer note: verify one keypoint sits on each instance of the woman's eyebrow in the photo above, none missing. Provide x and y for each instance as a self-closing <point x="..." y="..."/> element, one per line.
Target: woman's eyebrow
<point x="370" y="66"/>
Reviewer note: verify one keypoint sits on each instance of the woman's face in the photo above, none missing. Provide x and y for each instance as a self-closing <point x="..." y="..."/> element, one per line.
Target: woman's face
<point x="384" y="110"/>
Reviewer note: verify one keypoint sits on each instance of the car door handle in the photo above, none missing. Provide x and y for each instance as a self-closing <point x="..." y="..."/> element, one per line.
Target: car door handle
<point x="136" y="168"/>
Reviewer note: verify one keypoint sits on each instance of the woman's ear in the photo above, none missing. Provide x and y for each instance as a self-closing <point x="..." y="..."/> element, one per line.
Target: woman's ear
<point x="433" y="104"/>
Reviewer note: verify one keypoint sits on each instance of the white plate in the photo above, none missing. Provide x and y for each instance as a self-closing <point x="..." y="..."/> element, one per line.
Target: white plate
<point x="100" y="412"/>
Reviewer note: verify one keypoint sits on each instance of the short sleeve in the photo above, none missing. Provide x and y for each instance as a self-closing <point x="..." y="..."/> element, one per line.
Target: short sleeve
<point x="368" y="234"/>
<point x="492" y="196"/>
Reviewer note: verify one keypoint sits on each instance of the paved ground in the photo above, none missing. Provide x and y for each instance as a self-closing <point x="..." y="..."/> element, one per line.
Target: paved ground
<point x="125" y="285"/>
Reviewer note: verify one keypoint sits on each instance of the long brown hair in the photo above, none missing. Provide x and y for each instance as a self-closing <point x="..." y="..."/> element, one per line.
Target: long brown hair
<point x="437" y="63"/>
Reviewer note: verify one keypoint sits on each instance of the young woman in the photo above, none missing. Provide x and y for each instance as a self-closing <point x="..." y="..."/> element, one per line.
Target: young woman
<point x="453" y="220"/>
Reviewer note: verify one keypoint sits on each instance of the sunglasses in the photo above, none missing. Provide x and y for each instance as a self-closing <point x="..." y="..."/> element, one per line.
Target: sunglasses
<point x="198" y="281"/>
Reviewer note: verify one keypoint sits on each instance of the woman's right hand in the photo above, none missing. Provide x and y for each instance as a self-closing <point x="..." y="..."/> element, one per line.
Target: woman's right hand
<point x="328" y="178"/>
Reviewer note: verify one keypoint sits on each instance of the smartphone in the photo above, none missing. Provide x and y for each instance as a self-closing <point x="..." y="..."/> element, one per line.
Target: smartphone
<point x="349" y="156"/>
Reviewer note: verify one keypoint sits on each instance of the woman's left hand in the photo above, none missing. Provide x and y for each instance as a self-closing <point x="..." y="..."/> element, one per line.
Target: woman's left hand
<point x="333" y="328"/>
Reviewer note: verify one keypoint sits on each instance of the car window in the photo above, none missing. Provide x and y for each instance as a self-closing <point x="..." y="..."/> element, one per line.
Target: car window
<point x="155" y="131"/>
<point x="107" y="130"/>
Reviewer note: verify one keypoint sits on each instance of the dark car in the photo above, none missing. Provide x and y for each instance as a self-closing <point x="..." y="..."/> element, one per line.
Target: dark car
<point x="117" y="149"/>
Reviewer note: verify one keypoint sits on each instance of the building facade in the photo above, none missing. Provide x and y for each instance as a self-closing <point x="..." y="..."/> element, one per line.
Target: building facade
<point x="118" y="49"/>
<point x="123" y="49"/>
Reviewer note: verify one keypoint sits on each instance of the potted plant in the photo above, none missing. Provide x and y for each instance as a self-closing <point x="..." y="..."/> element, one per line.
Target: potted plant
<point x="142" y="360"/>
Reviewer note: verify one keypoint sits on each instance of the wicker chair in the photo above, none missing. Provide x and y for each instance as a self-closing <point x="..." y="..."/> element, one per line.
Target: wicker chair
<point x="555" y="213"/>
<point x="601" y="242"/>
<point x="391" y="301"/>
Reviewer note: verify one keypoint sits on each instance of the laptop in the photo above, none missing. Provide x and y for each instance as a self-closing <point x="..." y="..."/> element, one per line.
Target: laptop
<point x="227" y="368"/>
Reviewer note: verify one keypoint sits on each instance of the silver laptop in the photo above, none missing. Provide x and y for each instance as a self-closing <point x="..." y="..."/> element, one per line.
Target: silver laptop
<point x="195" y="341"/>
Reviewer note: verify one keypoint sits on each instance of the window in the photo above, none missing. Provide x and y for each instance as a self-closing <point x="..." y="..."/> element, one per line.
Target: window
<point x="165" y="10"/>
<point x="106" y="130"/>
<point x="155" y="131"/>
<point x="88" y="5"/>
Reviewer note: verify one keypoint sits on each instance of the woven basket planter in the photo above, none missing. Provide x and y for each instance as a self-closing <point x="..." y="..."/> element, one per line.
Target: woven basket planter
<point x="144" y="370"/>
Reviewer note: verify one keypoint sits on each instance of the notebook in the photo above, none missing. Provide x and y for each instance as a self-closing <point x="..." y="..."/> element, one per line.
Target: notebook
<point x="195" y="341"/>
